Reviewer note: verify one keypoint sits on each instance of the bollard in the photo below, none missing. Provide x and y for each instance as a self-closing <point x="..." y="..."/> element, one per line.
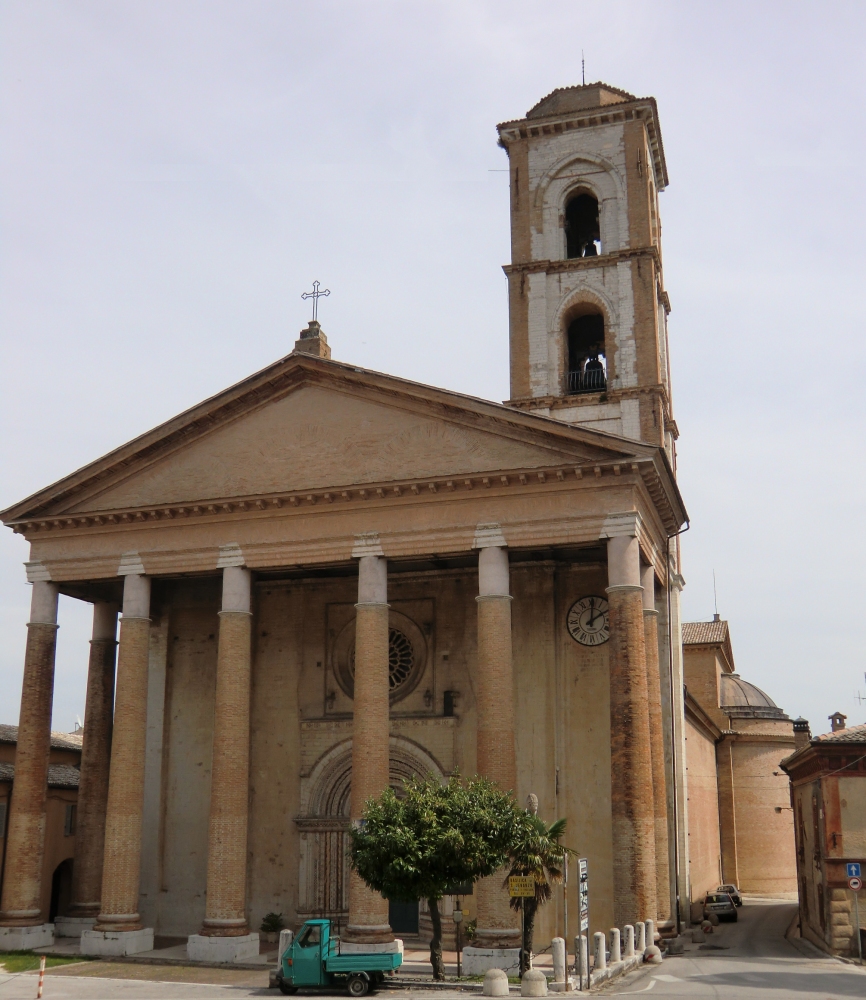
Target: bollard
<point x="41" y="976"/>
<point x="580" y="960"/>
<point x="557" y="950"/>
<point x="533" y="984"/>
<point x="640" y="944"/>
<point x="652" y="955"/>
<point x="599" y="958"/>
<point x="495" y="983"/>
<point x="628" y="950"/>
<point x="615" y="950"/>
<point x="650" y="933"/>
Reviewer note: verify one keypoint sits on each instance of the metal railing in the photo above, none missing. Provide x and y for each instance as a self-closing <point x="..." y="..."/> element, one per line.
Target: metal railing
<point x="594" y="380"/>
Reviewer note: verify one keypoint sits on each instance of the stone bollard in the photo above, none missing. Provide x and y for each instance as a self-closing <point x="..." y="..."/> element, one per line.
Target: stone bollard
<point x="628" y="949"/>
<point x="495" y="983"/>
<point x="615" y="950"/>
<point x="599" y="958"/>
<point x="640" y="944"/>
<point x="650" y="932"/>
<point x="580" y="955"/>
<point x="557" y="950"/>
<point x="533" y="984"/>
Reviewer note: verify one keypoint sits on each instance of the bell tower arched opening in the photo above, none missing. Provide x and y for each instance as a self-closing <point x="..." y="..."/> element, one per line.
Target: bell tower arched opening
<point x="582" y="231"/>
<point x="587" y="361"/>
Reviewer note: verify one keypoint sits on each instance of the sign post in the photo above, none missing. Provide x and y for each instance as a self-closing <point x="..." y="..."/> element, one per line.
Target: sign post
<point x="855" y="884"/>
<point x="522" y="886"/>
<point x="583" y="922"/>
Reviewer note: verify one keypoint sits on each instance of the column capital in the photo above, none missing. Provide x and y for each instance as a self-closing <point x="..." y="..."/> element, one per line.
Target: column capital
<point x="489" y="536"/>
<point x="367" y="543"/>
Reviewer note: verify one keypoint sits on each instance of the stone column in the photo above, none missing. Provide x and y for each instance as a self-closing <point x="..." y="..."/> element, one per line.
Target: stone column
<point x="657" y="744"/>
<point x="224" y="935"/>
<point x="118" y="929"/>
<point x="368" y="910"/>
<point x="634" y="868"/>
<point x="21" y="917"/>
<point x="95" y="763"/>
<point x="497" y="938"/>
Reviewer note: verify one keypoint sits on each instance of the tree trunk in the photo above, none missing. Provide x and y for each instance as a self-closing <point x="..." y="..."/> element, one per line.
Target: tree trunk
<point x="530" y="909"/>
<point x="436" y="940"/>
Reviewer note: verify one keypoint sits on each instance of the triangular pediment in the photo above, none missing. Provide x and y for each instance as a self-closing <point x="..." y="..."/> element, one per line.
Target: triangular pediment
<point x="310" y="424"/>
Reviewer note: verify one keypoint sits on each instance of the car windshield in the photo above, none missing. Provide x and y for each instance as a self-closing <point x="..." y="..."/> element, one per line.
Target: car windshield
<point x="727" y="888"/>
<point x="719" y="898"/>
<point x="310" y="936"/>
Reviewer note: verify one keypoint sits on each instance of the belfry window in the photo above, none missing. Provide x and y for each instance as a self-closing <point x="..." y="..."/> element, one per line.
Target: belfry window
<point x="587" y="364"/>
<point x="582" y="233"/>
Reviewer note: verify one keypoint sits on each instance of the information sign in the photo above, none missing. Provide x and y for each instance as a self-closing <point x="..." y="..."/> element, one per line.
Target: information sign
<point x="852" y="869"/>
<point x="521" y="885"/>
<point x="583" y="894"/>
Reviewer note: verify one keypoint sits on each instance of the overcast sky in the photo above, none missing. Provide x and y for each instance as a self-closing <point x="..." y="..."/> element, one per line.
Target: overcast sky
<point x="174" y="174"/>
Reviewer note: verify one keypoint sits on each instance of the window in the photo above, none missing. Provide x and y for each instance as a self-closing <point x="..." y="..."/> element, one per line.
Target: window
<point x="311" y="936"/>
<point x="587" y="365"/>
<point x="582" y="233"/>
<point x="69" y="822"/>
<point x="2" y="819"/>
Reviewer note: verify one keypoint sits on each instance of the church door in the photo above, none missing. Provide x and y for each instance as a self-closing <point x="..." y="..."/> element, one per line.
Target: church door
<point x="403" y="917"/>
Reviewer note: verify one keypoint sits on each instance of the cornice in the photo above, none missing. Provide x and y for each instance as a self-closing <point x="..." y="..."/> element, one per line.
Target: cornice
<point x="587" y="263"/>
<point x="643" y="109"/>
<point x="397" y="491"/>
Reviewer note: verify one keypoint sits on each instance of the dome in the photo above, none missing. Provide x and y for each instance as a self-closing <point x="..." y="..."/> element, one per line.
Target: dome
<point x="739" y="699"/>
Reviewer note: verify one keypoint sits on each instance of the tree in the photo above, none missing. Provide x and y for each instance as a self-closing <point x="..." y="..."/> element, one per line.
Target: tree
<point x="535" y="850"/>
<point x="435" y="837"/>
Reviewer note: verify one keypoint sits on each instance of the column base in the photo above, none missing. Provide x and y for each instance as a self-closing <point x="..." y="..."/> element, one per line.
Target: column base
<point x="72" y="927"/>
<point x="394" y="947"/>
<point x="476" y="961"/>
<point x="201" y="948"/>
<point x="26" y="938"/>
<point x="116" y="942"/>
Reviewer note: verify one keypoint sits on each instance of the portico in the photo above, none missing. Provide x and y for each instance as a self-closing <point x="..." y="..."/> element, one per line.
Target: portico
<point x="256" y="625"/>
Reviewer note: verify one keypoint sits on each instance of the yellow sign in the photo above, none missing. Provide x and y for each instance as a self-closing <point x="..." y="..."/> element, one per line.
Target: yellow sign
<point x="521" y="885"/>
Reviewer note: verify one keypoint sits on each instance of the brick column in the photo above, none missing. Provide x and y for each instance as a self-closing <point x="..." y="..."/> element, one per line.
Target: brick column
<point x="368" y="910"/>
<point x="657" y="744"/>
<point x="95" y="764"/>
<point x="226" y="909"/>
<point x="498" y="926"/>
<point x="727" y="811"/>
<point x="118" y="928"/>
<point x="634" y="867"/>
<point x="22" y="883"/>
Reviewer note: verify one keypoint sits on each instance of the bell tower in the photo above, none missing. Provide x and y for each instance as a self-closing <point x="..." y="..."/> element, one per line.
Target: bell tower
<point x="587" y="305"/>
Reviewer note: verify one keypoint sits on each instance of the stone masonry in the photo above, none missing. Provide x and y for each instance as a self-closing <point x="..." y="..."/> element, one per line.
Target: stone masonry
<point x="659" y="773"/>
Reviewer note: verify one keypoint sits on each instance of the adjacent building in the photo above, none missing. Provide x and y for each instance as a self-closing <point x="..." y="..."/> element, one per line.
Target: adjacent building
<point x="828" y="793"/>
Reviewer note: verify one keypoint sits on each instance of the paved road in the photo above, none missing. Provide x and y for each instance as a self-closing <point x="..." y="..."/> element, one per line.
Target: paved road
<point x="748" y="960"/>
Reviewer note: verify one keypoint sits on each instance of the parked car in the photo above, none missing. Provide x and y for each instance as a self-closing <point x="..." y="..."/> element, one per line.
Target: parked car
<point x="721" y="904"/>
<point x="733" y="892"/>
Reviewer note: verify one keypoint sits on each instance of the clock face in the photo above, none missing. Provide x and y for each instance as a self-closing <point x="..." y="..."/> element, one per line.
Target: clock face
<point x="587" y="621"/>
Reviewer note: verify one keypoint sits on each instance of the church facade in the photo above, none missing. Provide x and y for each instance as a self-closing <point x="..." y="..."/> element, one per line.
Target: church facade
<point x="332" y="579"/>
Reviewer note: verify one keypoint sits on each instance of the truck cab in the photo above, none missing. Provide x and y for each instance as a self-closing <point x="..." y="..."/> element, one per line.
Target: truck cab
<point x="315" y="960"/>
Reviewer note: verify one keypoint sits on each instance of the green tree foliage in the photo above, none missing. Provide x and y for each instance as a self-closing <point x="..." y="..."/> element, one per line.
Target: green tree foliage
<point x="535" y="850"/>
<point x="435" y="837"/>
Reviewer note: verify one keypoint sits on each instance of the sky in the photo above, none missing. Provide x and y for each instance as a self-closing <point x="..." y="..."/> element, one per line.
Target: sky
<point x="174" y="175"/>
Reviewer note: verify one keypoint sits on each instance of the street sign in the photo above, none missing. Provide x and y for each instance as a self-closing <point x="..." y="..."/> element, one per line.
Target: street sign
<point x="852" y="869"/>
<point x="855" y="884"/>
<point x="521" y="885"/>
<point x="583" y="894"/>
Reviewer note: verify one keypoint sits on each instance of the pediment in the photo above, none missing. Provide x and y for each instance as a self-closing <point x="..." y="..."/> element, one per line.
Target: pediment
<point x="327" y="427"/>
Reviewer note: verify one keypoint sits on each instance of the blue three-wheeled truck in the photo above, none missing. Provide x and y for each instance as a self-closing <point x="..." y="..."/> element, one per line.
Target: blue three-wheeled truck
<point x="314" y="960"/>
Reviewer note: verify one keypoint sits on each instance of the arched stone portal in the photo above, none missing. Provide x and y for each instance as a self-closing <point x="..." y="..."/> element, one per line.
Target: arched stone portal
<point x="323" y="876"/>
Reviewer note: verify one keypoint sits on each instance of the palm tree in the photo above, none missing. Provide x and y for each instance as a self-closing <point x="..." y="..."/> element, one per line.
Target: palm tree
<point x="536" y="850"/>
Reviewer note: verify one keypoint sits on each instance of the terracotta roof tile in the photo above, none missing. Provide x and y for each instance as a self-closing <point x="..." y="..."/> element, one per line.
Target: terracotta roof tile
<point x="853" y="734"/>
<point x="59" y="741"/>
<point x="704" y="633"/>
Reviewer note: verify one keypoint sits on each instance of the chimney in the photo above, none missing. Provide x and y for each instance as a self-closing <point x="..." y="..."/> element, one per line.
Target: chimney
<point x="802" y="732"/>
<point x="313" y="341"/>
<point x="837" y="721"/>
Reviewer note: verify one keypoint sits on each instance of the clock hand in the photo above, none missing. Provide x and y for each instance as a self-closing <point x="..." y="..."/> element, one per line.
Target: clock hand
<point x="593" y="618"/>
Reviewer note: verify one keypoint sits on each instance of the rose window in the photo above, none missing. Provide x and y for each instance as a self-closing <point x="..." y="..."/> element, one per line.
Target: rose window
<point x="401" y="660"/>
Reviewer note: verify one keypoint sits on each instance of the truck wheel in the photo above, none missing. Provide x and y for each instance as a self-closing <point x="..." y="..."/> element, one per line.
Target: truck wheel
<point x="287" y="990"/>
<point x="357" y="986"/>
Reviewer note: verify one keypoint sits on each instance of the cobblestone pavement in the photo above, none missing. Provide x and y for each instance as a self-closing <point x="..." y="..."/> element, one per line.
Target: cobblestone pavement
<point x="748" y="960"/>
